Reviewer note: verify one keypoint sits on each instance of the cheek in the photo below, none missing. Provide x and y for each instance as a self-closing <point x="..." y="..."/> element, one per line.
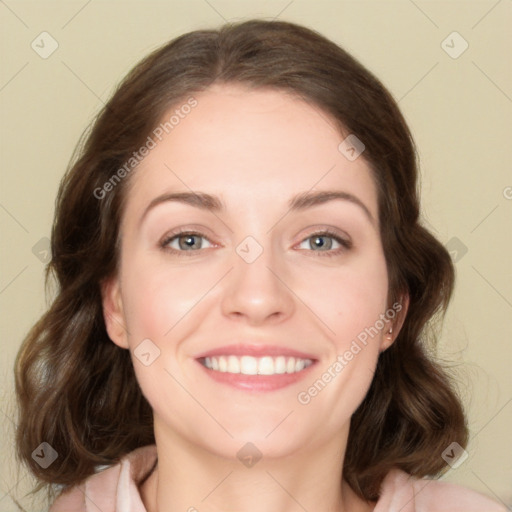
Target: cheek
<point x="157" y="296"/>
<point x="353" y="302"/>
<point x="349" y="299"/>
<point x="158" y="299"/>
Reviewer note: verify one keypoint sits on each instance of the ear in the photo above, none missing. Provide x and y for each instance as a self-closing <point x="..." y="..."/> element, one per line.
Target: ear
<point x="113" y="313"/>
<point x="393" y="325"/>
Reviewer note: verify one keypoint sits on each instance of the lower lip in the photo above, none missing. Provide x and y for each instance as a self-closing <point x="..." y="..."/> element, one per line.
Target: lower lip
<point x="257" y="383"/>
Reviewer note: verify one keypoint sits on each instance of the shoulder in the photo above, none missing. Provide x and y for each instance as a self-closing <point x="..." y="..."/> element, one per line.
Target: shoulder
<point x="401" y="492"/>
<point x="111" y="489"/>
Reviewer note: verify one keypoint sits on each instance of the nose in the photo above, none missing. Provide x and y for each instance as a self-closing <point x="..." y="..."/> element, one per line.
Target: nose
<point x="257" y="292"/>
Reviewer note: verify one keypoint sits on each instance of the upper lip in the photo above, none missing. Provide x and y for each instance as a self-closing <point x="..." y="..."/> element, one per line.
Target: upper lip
<point x="255" y="351"/>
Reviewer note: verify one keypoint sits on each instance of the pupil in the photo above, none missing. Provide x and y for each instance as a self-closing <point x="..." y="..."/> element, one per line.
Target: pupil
<point x="189" y="240"/>
<point x="320" y="242"/>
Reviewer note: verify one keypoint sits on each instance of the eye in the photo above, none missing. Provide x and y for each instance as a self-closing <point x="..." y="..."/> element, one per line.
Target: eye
<point x="187" y="241"/>
<point x="326" y="242"/>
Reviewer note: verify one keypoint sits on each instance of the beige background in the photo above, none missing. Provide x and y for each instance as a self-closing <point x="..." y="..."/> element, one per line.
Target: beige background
<point x="459" y="110"/>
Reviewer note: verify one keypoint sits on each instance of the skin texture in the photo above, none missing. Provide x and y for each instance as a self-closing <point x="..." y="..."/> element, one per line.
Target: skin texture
<point x="255" y="150"/>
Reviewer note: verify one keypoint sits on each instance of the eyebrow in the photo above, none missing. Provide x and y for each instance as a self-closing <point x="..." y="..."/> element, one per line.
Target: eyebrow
<point x="299" y="202"/>
<point x="310" y="199"/>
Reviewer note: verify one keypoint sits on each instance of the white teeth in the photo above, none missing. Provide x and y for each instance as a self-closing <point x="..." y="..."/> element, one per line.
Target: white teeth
<point x="266" y="366"/>
<point x="233" y="365"/>
<point x="249" y="365"/>
<point x="280" y="364"/>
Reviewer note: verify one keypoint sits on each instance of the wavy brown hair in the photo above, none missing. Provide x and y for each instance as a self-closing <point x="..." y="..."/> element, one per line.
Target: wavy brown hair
<point x="77" y="390"/>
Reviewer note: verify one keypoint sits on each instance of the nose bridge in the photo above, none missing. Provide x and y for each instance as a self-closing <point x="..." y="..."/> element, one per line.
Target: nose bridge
<point x="255" y="290"/>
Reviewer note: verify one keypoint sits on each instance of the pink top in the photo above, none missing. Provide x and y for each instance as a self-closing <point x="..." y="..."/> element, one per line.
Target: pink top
<point x="116" y="490"/>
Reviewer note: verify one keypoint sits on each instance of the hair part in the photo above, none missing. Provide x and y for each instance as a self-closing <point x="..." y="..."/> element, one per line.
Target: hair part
<point x="77" y="390"/>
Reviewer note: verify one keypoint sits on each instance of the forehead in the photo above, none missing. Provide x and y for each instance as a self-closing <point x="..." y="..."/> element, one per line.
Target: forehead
<point x="238" y="124"/>
<point x="240" y="143"/>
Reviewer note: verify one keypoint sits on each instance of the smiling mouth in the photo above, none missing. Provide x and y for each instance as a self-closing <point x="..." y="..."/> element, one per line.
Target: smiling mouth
<point x="249" y="365"/>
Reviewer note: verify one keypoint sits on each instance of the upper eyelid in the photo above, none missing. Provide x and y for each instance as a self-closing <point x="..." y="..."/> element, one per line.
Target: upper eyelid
<point x="166" y="239"/>
<point x="172" y="236"/>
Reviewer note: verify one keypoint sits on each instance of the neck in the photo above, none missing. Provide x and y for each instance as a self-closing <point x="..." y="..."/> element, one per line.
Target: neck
<point x="190" y="478"/>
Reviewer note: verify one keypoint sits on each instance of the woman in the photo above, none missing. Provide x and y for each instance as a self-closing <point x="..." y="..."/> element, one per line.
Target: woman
<point x="244" y="288"/>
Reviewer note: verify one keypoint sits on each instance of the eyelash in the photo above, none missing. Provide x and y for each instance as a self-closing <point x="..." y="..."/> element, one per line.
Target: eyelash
<point x="345" y="244"/>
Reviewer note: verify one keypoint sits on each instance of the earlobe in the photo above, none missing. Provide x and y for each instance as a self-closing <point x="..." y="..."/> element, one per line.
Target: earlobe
<point x="113" y="313"/>
<point x="394" y="326"/>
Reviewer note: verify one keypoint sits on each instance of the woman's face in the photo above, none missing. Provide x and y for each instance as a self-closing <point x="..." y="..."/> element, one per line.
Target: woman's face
<point x="255" y="285"/>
